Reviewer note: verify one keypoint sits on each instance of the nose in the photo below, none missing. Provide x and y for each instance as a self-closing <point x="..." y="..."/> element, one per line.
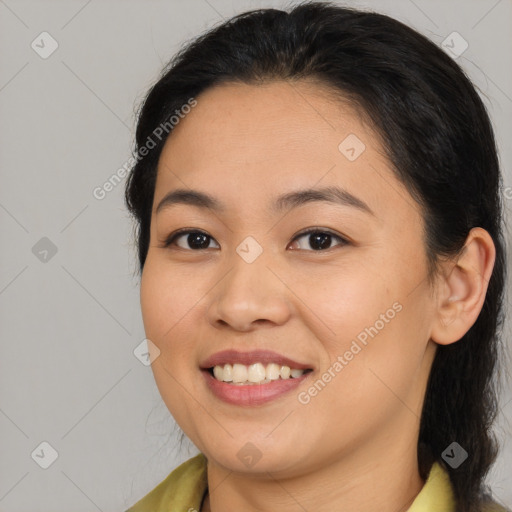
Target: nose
<point x="250" y="294"/>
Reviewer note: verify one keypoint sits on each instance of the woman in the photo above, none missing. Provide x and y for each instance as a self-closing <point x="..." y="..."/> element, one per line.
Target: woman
<point x="317" y="195"/>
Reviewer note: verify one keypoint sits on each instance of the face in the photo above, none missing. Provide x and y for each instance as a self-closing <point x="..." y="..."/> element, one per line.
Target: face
<point x="349" y="302"/>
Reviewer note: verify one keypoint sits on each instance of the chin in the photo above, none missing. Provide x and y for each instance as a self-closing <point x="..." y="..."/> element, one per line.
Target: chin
<point x="254" y="457"/>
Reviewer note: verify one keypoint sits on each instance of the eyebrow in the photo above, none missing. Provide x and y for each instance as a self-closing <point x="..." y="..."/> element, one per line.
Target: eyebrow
<point x="286" y="201"/>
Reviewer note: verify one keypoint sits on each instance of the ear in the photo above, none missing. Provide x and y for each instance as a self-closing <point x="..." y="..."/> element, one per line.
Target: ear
<point x="462" y="288"/>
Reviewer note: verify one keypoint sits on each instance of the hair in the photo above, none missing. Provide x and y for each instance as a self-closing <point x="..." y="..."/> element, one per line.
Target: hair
<point x="436" y="133"/>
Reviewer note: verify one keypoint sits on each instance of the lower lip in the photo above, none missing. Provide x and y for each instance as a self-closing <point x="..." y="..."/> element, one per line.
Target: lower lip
<point x="252" y="394"/>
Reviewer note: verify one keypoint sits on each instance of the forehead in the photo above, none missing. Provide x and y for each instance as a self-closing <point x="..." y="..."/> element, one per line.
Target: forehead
<point x="250" y="142"/>
<point x="298" y="111"/>
<point x="278" y="123"/>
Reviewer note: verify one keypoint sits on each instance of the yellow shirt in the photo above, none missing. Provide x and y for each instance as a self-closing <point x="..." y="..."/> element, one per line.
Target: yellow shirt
<point x="183" y="491"/>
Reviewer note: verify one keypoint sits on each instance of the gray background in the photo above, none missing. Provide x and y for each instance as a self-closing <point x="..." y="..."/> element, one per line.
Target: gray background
<point x="70" y="321"/>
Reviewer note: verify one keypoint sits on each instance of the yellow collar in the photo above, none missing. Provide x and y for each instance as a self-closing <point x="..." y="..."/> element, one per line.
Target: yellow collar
<point x="184" y="488"/>
<point x="436" y="494"/>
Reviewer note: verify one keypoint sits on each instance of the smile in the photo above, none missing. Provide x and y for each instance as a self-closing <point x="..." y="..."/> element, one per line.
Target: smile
<point x="257" y="373"/>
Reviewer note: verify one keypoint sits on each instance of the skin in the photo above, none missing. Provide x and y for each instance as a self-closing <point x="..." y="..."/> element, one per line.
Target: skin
<point x="353" y="446"/>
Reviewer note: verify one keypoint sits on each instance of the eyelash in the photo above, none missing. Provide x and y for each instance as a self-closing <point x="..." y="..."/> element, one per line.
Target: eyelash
<point x="185" y="231"/>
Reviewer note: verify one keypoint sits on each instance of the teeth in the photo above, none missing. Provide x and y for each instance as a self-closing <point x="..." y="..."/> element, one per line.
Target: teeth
<point x="256" y="373"/>
<point x="227" y="374"/>
<point x="240" y="373"/>
<point x="218" y="372"/>
<point x="272" y="371"/>
<point x="285" y="372"/>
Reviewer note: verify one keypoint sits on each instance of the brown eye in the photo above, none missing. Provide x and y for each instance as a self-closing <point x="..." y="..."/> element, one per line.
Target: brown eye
<point x="194" y="239"/>
<point x="319" y="240"/>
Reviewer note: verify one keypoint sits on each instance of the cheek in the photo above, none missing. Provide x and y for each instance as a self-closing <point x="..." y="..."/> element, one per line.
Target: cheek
<point x="384" y="361"/>
<point x="170" y="299"/>
<point x="367" y="314"/>
<point x="375" y="373"/>
<point x="342" y="300"/>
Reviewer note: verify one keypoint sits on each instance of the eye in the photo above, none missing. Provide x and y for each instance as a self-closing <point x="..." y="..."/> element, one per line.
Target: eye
<point x="319" y="239"/>
<point x="198" y="240"/>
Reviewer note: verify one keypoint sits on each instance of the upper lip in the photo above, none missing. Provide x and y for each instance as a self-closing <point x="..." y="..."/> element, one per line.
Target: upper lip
<point x="248" y="358"/>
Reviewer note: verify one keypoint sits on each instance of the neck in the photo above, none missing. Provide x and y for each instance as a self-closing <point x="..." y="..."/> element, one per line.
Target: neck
<point x="358" y="482"/>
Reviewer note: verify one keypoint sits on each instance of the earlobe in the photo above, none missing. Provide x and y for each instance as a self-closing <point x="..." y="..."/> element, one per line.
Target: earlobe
<point x="463" y="287"/>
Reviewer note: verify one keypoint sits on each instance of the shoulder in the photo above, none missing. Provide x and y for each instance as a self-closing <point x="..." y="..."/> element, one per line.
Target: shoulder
<point x="182" y="489"/>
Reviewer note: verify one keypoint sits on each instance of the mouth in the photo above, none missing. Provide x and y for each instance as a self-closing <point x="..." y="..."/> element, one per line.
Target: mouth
<point x="255" y="384"/>
<point x="255" y="367"/>
<point x="257" y="373"/>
